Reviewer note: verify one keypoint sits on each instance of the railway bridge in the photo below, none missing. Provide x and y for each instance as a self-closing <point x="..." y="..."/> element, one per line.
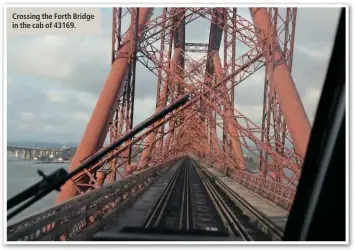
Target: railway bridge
<point x="193" y="174"/>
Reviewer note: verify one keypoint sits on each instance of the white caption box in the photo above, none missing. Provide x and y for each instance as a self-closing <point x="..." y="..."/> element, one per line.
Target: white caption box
<point x="53" y="21"/>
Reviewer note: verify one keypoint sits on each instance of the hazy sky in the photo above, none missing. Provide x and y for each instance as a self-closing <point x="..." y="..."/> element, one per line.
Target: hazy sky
<point x="54" y="81"/>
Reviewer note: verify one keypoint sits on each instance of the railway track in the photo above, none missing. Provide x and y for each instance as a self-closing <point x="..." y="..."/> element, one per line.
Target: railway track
<point x="185" y="204"/>
<point x="193" y="202"/>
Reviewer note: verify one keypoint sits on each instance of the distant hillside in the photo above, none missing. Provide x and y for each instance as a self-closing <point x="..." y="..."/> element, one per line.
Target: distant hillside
<point x="72" y="144"/>
<point x="37" y="144"/>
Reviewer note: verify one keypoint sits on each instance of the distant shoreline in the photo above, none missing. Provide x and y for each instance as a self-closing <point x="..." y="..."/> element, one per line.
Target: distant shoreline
<point x="48" y="162"/>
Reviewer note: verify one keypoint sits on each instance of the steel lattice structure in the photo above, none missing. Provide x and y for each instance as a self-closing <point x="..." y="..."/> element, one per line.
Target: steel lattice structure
<point x="160" y="44"/>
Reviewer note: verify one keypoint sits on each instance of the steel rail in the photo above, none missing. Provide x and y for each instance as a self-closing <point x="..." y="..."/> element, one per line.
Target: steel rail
<point x="184" y="209"/>
<point x="184" y="204"/>
<point x="188" y="207"/>
<point x="158" y="210"/>
<point x="232" y="221"/>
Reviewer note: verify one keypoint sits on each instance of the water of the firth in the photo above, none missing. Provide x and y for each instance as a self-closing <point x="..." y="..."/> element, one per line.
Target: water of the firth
<point x="21" y="174"/>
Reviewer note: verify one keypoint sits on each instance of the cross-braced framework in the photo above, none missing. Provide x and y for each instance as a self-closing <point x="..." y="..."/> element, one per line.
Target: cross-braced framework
<point x="209" y="127"/>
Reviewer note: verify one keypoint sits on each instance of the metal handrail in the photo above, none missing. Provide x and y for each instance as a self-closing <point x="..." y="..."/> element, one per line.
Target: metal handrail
<point x="281" y="194"/>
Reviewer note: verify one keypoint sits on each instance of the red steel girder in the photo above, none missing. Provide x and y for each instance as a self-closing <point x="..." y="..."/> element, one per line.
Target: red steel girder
<point x="245" y="131"/>
<point x="188" y="132"/>
<point x="97" y="127"/>
<point x="272" y="112"/>
<point x="290" y="101"/>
